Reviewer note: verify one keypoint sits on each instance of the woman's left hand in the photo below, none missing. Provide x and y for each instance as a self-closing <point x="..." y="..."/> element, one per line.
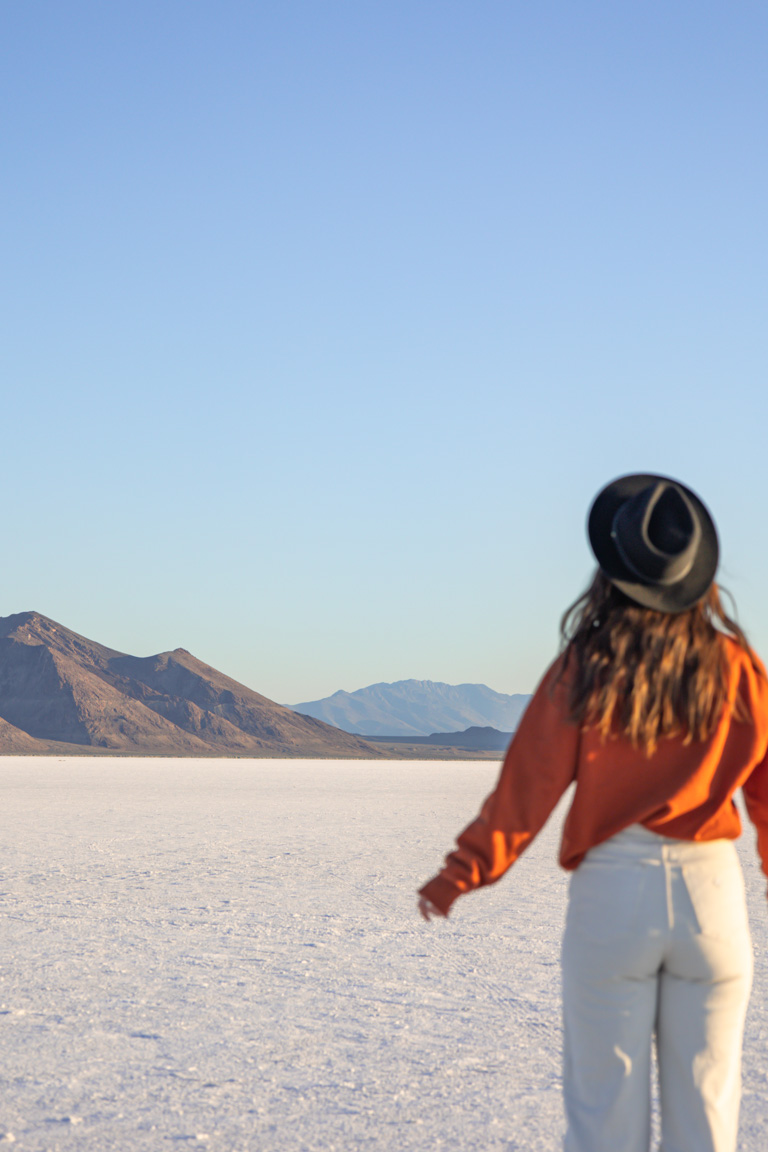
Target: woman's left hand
<point x="428" y="909"/>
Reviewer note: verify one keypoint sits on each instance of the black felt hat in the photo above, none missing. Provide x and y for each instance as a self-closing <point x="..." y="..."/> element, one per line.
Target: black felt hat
<point x="655" y="540"/>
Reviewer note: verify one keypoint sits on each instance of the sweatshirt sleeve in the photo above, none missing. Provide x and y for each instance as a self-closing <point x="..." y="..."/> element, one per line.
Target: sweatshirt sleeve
<point x="755" y="787"/>
<point x="539" y="765"/>
<point x="755" y="792"/>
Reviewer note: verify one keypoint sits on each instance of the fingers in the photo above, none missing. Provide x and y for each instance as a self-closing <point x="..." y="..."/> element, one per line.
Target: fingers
<point x="428" y="909"/>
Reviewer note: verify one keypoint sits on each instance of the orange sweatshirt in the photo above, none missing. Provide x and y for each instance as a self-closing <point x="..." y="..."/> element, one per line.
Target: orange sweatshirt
<point x="682" y="790"/>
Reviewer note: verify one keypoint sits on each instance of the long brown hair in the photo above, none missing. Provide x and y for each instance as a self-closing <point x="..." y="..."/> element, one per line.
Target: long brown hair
<point x="648" y="674"/>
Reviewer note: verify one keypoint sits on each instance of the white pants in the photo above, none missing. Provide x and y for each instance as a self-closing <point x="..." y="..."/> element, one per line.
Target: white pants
<point x="656" y="942"/>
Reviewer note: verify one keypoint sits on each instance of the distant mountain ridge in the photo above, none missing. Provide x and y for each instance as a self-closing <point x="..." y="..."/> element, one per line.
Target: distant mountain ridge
<point x="473" y="739"/>
<point x="417" y="708"/>
<point x="60" y="692"/>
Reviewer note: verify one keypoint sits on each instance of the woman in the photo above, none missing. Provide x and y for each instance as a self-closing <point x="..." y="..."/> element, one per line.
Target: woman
<point x="657" y="710"/>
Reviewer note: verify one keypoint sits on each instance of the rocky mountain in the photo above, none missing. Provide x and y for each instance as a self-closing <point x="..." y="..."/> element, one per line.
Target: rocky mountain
<point x="62" y="692"/>
<point x="417" y="708"/>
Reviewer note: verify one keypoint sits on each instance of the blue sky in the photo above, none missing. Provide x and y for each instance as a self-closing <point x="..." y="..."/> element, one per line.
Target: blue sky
<point x="323" y="323"/>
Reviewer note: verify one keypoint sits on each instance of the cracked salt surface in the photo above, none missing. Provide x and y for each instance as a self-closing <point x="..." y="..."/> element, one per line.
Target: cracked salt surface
<point x="226" y="954"/>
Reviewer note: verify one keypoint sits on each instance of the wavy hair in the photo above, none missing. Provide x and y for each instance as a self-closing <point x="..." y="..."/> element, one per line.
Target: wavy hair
<point x="646" y="674"/>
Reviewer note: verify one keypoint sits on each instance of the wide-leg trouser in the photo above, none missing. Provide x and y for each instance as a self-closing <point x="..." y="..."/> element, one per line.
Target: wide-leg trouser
<point x="656" y="942"/>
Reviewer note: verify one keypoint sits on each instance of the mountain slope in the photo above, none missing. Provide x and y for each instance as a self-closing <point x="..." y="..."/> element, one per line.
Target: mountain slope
<point x="417" y="708"/>
<point x="15" y="742"/>
<point x="59" y="687"/>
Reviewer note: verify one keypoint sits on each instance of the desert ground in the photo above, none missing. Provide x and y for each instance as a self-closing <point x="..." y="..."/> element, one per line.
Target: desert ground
<point x="226" y="954"/>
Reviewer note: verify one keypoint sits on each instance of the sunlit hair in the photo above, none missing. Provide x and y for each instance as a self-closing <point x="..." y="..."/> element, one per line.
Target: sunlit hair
<point x="646" y="674"/>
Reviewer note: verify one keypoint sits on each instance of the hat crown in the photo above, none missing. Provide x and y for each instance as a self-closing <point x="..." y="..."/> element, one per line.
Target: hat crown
<point x="657" y="533"/>
<point x="655" y="540"/>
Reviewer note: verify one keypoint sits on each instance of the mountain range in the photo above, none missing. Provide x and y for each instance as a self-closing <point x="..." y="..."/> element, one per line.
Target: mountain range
<point x="60" y="692"/>
<point x="471" y="740"/>
<point x="417" y="708"/>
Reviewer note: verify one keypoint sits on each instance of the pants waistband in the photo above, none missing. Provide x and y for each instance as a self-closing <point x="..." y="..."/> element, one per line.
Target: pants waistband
<point x="637" y="843"/>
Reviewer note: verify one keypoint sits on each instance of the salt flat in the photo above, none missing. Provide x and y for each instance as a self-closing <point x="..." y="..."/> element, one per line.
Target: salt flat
<point x="226" y="953"/>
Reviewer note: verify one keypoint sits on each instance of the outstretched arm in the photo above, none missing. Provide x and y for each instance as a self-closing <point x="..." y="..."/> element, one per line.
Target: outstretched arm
<point x="539" y="765"/>
<point x="755" y="792"/>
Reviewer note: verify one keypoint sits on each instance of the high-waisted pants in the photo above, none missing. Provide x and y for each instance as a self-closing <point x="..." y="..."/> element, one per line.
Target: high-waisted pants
<point x="656" y="943"/>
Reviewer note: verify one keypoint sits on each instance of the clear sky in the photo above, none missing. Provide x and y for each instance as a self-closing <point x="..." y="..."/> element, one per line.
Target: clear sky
<point x="324" y="322"/>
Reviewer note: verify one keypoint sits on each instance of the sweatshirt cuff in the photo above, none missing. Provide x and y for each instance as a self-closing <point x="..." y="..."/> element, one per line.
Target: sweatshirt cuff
<point x="441" y="892"/>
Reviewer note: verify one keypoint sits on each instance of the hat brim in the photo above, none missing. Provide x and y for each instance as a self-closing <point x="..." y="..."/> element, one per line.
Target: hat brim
<point x="664" y="598"/>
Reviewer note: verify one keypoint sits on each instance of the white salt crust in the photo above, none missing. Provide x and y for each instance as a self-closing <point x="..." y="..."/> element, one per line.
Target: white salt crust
<point x="226" y="954"/>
